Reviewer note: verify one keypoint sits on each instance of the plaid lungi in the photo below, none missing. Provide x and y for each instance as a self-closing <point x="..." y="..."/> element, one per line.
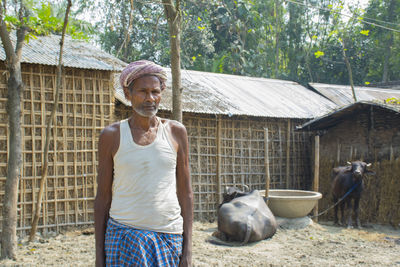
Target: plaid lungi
<point x="127" y="246"/>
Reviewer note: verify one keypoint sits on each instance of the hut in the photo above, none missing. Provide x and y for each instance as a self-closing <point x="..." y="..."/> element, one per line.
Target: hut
<point x="85" y="107"/>
<point x="368" y="131"/>
<point x="240" y="131"/>
<point x="342" y="95"/>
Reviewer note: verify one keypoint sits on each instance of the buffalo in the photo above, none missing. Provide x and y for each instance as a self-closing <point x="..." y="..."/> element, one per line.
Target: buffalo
<point x="348" y="185"/>
<point x="244" y="217"/>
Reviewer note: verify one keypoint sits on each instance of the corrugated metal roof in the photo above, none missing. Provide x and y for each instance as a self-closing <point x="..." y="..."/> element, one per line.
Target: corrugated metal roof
<point x="332" y="118"/>
<point x="342" y="95"/>
<point x="213" y="93"/>
<point x="77" y="54"/>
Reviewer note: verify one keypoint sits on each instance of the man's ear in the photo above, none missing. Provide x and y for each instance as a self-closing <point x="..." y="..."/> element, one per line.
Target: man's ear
<point x="127" y="92"/>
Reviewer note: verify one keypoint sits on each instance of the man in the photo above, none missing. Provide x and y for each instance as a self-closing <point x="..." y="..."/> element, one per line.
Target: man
<point x="144" y="201"/>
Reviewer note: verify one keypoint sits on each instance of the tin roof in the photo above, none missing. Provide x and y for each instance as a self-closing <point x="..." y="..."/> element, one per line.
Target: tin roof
<point x="332" y="118"/>
<point x="76" y="54"/>
<point x="213" y="93"/>
<point x="342" y="95"/>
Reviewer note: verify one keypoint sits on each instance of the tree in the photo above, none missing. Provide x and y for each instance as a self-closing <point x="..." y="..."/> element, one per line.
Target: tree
<point x="174" y="18"/>
<point x="383" y="64"/>
<point x="15" y="87"/>
<point x="249" y="37"/>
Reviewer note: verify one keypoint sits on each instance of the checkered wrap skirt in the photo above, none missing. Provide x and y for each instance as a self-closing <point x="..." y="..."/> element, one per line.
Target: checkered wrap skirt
<point x="127" y="246"/>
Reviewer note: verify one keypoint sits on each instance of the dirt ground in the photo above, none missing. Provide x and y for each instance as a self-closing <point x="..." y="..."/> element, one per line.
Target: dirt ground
<point x="315" y="245"/>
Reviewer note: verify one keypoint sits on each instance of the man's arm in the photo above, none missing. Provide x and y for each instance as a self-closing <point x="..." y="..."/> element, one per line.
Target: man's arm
<point x="104" y="190"/>
<point x="184" y="190"/>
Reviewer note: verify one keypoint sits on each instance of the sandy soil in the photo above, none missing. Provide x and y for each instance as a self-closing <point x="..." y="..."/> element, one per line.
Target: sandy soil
<point x="316" y="245"/>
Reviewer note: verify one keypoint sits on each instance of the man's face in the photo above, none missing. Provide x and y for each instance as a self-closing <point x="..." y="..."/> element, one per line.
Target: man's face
<point x="145" y="95"/>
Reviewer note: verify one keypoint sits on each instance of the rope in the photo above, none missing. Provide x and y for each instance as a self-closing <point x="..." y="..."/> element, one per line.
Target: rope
<point x="340" y="200"/>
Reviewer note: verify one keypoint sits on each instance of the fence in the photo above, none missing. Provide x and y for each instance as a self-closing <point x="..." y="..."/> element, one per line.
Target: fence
<point x="84" y="109"/>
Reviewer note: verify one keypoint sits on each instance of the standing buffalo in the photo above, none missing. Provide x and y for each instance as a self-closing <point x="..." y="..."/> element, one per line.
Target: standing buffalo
<point x="244" y="217"/>
<point x="349" y="179"/>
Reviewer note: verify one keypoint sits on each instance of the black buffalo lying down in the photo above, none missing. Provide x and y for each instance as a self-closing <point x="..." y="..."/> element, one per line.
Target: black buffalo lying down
<point x="345" y="179"/>
<point x="244" y="217"/>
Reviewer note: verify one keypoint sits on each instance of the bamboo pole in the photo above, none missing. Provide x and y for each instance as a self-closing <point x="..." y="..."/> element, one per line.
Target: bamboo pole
<point x="44" y="168"/>
<point x="219" y="184"/>
<point x="233" y="154"/>
<point x="288" y="183"/>
<point x="199" y="167"/>
<point x="266" y="163"/>
<point x="280" y="155"/>
<point x="316" y="173"/>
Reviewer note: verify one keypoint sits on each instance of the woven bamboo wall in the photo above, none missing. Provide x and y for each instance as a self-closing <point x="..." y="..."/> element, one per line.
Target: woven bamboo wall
<point x="228" y="151"/>
<point x="85" y="107"/>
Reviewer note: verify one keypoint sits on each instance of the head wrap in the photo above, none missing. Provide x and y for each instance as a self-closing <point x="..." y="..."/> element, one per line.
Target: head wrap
<point x="142" y="68"/>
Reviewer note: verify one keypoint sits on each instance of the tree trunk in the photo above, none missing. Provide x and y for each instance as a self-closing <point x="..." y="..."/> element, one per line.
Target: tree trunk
<point x="277" y="38"/>
<point x="174" y="22"/>
<point x="346" y="60"/>
<point x="9" y="230"/>
<point x="14" y="88"/>
<point x="389" y="43"/>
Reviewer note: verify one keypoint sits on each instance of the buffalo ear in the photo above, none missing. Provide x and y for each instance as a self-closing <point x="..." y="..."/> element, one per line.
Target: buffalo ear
<point x="370" y="172"/>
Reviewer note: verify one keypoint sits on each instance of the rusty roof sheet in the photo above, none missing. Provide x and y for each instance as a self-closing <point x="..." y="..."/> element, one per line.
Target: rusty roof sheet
<point x="213" y="93"/>
<point x="77" y="54"/>
<point x="342" y="95"/>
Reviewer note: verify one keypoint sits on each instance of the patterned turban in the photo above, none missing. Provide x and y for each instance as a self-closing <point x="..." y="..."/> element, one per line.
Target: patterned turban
<point x="142" y="68"/>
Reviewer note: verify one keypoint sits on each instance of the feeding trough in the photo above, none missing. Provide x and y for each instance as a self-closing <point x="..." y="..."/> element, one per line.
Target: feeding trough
<point x="291" y="203"/>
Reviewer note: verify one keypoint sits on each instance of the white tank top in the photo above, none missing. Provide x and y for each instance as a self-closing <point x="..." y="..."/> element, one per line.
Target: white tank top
<point x="144" y="186"/>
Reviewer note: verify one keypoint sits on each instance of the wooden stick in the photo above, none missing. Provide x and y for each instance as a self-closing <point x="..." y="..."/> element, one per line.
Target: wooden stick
<point x="266" y="162"/>
<point x="280" y="155"/>
<point x="199" y="167"/>
<point x="316" y="173"/>
<point x="219" y="183"/>
<point x="288" y="183"/>
<point x="44" y="167"/>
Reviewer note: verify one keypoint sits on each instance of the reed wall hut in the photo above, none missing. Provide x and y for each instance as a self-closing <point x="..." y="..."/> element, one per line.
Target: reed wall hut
<point x="367" y="131"/>
<point x="233" y="122"/>
<point x="85" y="107"/>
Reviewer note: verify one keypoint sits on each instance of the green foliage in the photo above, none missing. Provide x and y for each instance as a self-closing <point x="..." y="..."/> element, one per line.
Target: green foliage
<point x="245" y="37"/>
<point x="41" y="21"/>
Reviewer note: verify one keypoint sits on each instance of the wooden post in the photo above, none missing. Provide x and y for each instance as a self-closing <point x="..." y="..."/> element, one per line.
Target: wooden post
<point x="280" y="155"/>
<point x="266" y="162"/>
<point x="288" y="183"/>
<point x="219" y="160"/>
<point x="316" y="173"/>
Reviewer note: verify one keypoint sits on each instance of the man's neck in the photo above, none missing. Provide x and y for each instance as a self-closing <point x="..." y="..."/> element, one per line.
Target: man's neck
<point x="144" y="123"/>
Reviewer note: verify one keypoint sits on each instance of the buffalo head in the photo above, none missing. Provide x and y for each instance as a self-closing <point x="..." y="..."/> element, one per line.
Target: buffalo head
<point x="233" y="192"/>
<point x="359" y="168"/>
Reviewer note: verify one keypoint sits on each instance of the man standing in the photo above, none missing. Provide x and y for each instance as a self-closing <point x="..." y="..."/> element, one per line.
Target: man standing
<point x="144" y="201"/>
